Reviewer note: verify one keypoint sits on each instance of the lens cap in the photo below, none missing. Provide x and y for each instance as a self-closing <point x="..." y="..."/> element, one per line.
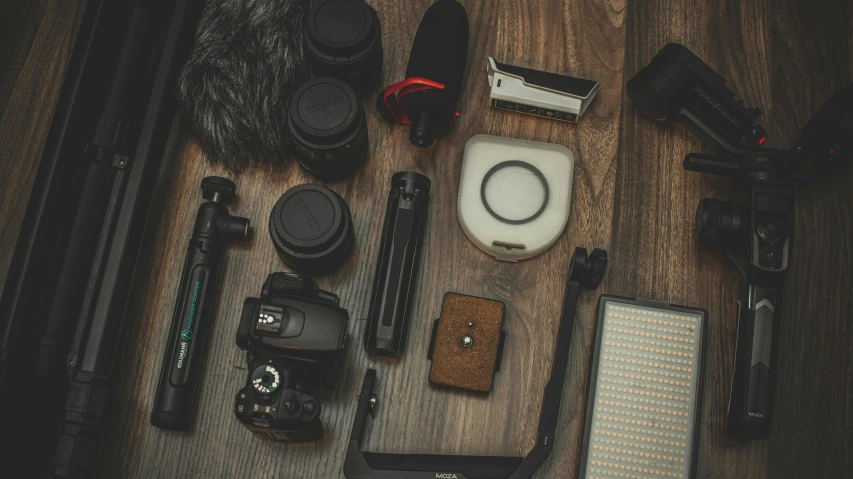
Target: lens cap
<point x="312" y="229"/>
<point x="341" y="28"/>
<point x="343" y="39"/>
<point x="325" y="111"/>
<point x="329" y="128"/>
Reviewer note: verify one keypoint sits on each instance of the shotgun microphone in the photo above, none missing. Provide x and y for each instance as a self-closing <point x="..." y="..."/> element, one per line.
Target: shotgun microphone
<point x="427" y="98"/>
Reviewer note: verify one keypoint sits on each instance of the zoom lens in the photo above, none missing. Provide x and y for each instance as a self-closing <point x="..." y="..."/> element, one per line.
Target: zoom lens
<point x="717" y="224"/>
<point x="329" y="128"/>
<point x="343" y="39"/>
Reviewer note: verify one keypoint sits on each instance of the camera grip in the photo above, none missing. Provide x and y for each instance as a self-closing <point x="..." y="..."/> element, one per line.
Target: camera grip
<point x="753" y="380"/>
<point x="180" y="370"/>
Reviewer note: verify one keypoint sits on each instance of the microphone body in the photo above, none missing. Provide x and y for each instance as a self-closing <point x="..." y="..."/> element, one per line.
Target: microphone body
<point x="427" y="98"/>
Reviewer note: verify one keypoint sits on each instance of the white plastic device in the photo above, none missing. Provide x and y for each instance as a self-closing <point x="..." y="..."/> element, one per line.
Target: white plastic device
<point x="514" y="195"/>
<point x="538" y="93"/>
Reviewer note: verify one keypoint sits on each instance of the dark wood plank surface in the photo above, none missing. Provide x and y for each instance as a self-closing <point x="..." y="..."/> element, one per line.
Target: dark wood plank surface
<point x="36" y="37"/>
<point x="630" y="197"/>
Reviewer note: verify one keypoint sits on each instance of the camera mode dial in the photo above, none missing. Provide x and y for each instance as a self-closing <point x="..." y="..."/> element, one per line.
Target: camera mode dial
<point x="266" y="379"/>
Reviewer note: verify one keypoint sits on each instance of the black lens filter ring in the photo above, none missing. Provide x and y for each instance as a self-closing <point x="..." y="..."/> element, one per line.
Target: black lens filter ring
<point x="526" y="166"/>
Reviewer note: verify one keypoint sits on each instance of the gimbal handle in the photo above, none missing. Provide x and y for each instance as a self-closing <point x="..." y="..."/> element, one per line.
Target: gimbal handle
<point x="751" y="402"/>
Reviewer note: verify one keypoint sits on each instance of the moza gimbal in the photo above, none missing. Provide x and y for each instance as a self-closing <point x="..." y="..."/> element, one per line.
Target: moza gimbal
<point x="756" y="233"/>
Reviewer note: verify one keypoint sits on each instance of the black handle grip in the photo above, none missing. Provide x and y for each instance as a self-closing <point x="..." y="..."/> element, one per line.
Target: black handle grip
<point x="754" y="376"/>
<point x="182" y="362"/>
<point x="181" y="367"/>
<point x="396" y="268"/>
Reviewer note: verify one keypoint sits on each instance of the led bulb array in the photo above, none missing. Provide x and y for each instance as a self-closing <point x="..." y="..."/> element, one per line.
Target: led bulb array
<point x="644" y="406"/>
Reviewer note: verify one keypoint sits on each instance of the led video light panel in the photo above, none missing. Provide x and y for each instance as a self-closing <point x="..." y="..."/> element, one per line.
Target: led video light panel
<point x="645" y="387"/>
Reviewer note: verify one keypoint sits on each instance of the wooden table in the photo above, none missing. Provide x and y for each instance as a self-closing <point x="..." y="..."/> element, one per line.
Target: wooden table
<point x="630" y="197"/>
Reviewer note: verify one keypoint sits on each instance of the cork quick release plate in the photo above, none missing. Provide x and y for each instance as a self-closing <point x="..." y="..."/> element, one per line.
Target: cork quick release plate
<point x="454" y="364"/>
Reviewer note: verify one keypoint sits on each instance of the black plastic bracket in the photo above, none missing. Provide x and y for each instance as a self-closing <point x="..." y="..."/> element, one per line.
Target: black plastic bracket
<point x="586" y="272"/>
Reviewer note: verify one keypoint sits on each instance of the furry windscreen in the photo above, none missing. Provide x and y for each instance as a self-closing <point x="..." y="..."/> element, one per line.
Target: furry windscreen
<point x="235" y="87"/>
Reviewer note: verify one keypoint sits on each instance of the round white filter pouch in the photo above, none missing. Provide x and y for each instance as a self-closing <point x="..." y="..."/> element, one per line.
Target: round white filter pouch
<point x="514" y="195"/>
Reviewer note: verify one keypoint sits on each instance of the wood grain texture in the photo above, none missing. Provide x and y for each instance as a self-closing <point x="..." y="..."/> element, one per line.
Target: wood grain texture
<point x="630" y="196"/>
<point x="35" y="43"/>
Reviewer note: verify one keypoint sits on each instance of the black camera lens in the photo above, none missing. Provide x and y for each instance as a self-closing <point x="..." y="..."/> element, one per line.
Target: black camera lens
<point x="329" y="128"/>
<point x="717" y="223"/>
<point x="312" y="229"/>
<point x="343" y="39"/>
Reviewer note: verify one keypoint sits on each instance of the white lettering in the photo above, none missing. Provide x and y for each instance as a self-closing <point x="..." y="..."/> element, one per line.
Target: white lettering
<point x="182" y="354"/>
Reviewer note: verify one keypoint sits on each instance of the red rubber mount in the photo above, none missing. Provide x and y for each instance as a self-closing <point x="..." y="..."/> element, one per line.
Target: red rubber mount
<point x="392" y="95"/>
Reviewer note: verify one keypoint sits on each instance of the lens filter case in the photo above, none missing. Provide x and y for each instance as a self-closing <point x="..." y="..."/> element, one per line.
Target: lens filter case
<point x="514" y="195"/>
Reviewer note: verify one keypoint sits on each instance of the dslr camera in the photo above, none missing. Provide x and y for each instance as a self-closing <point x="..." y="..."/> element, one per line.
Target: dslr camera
<point x="293" y="336"/>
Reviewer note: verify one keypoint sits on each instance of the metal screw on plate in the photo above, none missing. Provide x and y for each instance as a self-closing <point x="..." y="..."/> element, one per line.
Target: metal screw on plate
<point x="467" y="341"/>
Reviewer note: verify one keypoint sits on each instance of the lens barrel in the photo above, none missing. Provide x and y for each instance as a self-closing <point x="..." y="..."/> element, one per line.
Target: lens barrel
<point x="343" y="39"/>
<point x="328" y="125"/>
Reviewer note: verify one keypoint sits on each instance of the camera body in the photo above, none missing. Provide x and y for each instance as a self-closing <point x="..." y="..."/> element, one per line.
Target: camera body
<point x="293" y="336"/>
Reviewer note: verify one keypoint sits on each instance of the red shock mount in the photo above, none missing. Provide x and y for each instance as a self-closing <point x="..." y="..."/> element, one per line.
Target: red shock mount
<point x="394" y="93"/>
